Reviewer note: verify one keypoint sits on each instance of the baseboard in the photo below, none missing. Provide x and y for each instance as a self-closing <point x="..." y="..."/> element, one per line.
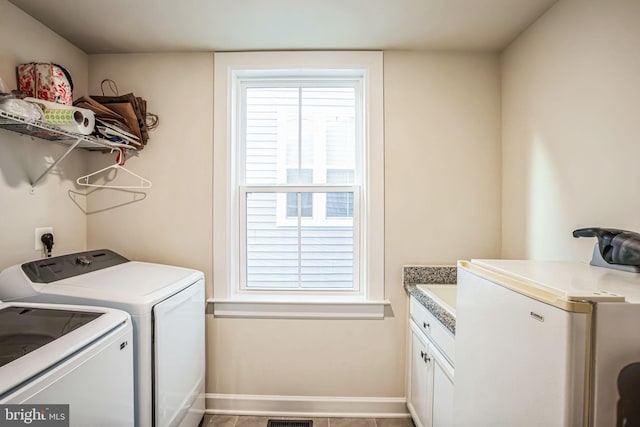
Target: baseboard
<point x="306" y="406"/>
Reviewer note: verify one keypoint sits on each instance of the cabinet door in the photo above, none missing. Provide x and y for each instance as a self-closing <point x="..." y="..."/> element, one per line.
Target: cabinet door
<point x="420" y="388"/>
<point x="442" y="390"/>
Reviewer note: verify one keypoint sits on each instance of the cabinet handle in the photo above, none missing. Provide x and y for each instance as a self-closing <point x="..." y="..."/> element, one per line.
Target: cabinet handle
<point x="422" y="354"/>
<point x="425" y="325"/>
<point x="426" y="359"/>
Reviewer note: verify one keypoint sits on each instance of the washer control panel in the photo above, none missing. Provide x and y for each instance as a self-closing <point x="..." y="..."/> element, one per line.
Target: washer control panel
<point x="62" y="267"/>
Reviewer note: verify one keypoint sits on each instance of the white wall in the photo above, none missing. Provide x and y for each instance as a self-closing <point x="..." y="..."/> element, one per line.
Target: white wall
<point x="170" y="222"/>
<point x="571" y="128"/>
<point x="442" y="158"/>
<point x="21" y="159"/>
<point x="442" y="140"/>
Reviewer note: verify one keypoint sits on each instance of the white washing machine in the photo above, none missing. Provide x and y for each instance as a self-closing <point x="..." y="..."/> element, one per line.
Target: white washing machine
<point x="53" y="355"/>
<point x="166" y="305"/>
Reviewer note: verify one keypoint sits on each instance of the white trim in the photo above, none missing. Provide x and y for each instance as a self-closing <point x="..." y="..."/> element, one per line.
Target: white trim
<point x="318" y="308"/>
<point x="225" y="274"/>
<point x="306" y="406"/>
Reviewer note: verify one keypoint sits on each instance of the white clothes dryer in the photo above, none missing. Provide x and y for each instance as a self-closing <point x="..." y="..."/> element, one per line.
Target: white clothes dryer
<point x="166" y="305"/>
<point x="54" y="355"/>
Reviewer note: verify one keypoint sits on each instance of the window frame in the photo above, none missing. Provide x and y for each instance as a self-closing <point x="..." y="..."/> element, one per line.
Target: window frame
<point x="229" y="300"/>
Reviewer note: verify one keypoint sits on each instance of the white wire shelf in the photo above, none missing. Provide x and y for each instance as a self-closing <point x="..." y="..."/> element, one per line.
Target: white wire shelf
<point x="42" y="130"/>
<point x="45" y="131"/>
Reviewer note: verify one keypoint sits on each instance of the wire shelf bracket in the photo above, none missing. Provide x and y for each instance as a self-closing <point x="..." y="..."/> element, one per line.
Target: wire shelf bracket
<point x="45" y="131"/>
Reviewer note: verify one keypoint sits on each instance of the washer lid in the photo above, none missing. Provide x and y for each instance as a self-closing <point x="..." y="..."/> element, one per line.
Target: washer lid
<point x="25" y="329"/>
<point x="90" y="324"/>
<point x="132" y="286"/>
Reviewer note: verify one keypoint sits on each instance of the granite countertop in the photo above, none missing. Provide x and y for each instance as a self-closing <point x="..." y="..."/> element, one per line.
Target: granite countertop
<point x="423" y="275"/>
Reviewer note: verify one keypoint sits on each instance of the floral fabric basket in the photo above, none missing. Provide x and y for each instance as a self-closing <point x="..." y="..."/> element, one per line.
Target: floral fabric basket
<point x="47" y="81"/>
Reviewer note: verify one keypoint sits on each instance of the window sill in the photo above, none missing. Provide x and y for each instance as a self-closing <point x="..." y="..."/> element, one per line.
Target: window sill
<point x="298" y="308"/>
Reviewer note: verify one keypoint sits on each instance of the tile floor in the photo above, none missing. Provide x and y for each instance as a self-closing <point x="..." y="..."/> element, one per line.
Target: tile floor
<point x="247" y="421"/>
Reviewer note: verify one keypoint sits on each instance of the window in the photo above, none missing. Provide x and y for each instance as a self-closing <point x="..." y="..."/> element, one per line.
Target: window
<point x="298" y="184"/>
<point x="289" y="130"/>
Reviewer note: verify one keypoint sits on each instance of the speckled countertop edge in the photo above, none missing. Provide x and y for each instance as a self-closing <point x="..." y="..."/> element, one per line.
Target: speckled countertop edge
<point x="437" y="274"/>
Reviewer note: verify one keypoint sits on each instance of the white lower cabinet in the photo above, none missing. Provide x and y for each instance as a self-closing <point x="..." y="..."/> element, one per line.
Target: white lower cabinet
<point x="442" y="391"/>
<point x="430" y="382"/>
<point x="420" y="381"/>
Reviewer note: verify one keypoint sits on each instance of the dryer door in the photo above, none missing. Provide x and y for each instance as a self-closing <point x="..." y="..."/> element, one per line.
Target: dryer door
<point x="179" y="358"/>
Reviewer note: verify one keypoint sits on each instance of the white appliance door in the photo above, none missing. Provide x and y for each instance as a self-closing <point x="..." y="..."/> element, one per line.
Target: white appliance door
<point x="96" y="383"/>
<point x="519" y="361"/>
<point x="179" y="358"/>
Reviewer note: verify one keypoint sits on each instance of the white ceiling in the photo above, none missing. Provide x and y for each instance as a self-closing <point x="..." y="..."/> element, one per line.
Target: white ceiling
<point x="118" y="26"/>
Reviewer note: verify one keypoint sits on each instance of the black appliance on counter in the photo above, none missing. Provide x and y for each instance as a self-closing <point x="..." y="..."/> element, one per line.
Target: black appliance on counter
<point x="617" y="249"/>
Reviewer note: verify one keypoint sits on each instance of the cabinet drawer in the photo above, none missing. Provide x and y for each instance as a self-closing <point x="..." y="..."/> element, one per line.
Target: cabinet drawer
<point x="433" y="328"/>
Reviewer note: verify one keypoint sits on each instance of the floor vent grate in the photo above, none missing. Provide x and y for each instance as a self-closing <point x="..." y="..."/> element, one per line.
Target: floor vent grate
<point x="290" y="423"/>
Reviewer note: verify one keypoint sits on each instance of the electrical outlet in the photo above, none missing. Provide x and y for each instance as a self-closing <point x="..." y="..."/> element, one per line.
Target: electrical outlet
<point x="39" y="232"/>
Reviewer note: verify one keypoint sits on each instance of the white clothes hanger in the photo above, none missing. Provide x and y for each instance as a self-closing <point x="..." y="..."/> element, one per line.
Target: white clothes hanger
<point x="118" y="166"/>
